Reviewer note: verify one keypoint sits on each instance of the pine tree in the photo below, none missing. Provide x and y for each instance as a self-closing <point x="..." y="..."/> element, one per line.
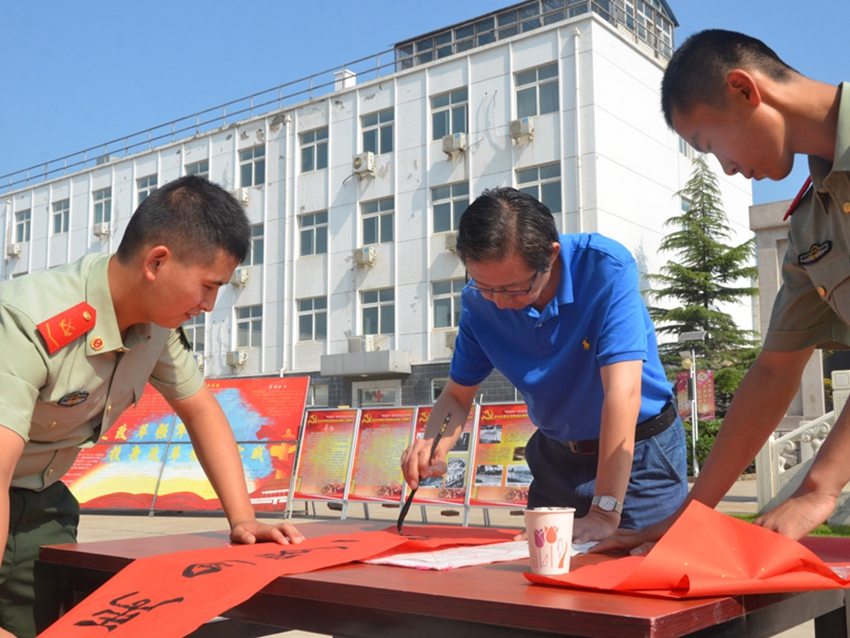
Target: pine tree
<point x="707" y="273"/>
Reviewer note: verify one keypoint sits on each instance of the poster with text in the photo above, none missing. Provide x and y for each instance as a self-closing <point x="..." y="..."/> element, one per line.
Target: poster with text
<point x="500" y="473"/>
<point x="325" y="455"/>
<point x="451" y="488"/>
<point x="146" y="458"/>
<point x="122" y="469"/>
<point x="382" y="435"/>
<point x="705" y="395"/>
<point x="265" y="416"/>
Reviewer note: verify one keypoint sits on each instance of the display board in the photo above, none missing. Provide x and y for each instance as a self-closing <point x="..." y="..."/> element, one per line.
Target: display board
<point x="324" y="459"/>
<point x="382" y="435"/>
<point x="450" y="489"/>
<point x="501" y="474"/>
<point x="148" y="453"/>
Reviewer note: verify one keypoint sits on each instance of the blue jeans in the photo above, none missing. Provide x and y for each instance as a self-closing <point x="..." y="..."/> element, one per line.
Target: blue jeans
<point x="657" y="486"/>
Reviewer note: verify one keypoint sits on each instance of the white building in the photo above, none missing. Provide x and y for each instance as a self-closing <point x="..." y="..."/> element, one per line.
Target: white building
<point x="355" y="184"/>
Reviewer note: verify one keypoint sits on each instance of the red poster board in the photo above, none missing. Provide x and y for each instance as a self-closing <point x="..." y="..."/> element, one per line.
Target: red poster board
<point x="146" y="458"/>
<point x="265" y="415"/>
<point x="501" y="475"/>
<point x="382" y="435"/>
<point x="121" y="471"/>
<point x="705" y="395"/>
<point x="449" y="489"/>
<point x="325" y="455"/>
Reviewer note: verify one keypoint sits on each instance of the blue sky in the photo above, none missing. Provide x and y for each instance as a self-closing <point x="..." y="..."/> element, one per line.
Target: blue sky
<point x="78" y="74"/>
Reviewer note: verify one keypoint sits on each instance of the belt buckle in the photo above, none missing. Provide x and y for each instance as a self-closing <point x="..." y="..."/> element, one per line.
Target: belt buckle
<point x="573" y="447"/>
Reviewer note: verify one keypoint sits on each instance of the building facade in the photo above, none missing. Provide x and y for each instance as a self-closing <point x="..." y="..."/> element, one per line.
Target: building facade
<point x="354" y="190"/>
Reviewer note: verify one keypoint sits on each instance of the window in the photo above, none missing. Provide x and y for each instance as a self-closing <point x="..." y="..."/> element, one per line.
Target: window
<point x="446" y="296"/>
<point x="249" y="327"/>
<point x="378" y="311"/>
<point x="314" y="150"/>
<point x="543" y="183"/>
<point x="252" y="165"/>
<point x="437" y="387"/>
<point x="196" y="330"/>
<point x="102" y="205"/>
<point x="199" y="168"/>
<point x="314" y="233"/>
<point x="61" y="216"/>
<point x="449" y="202"/>
<point x="376" y="393"/>
<point x="686" y="204"/>
<point x="377" y="221"/>
<point x="145" y="186"/>
<point x="317" y="395"/>
<point x="537" y="91"/>
<point x="685" y="149"/>
<point x="313" y="319"/>
<point x="378" y="132"/>
<point x="255" y="253"/>
<point x="23" y="221"/>
<point x="448" y="114"/>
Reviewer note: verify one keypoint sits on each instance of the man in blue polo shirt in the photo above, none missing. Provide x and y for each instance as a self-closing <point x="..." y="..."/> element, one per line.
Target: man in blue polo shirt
<point x="561" y="317"/>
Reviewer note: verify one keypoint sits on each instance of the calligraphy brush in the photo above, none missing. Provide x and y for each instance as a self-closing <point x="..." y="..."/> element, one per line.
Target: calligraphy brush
<point x="409" y="500"/>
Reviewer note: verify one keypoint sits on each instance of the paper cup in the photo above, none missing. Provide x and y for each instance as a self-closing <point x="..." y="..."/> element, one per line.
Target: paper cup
<point x="550" y="538"/>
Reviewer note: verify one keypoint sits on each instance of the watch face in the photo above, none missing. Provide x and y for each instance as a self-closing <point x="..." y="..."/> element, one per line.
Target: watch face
<point x="608" y="503"/>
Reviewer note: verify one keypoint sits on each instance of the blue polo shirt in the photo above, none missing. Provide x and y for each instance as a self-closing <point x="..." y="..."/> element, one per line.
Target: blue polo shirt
<point x="554" y="356"/>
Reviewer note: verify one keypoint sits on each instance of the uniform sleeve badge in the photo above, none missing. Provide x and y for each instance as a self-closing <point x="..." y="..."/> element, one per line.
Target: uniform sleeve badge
<point x="67" y="326"/>
<point x="814" y="253"/>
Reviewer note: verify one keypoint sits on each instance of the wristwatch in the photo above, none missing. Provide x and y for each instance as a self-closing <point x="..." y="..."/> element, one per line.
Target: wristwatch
<point x="607" y="504"/>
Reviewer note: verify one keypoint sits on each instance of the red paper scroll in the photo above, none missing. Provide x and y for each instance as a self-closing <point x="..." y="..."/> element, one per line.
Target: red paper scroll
<point x="382" y="436"/>
<point x="173" y="594"/>
<point x="449" y="489"/>
<point x="325" y="455"/>
<point x="706" y="553"/>
<point x="501" y="474"/>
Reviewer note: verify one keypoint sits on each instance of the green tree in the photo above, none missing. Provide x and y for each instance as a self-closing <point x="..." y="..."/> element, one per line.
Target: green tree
<point x="706" y="273"/>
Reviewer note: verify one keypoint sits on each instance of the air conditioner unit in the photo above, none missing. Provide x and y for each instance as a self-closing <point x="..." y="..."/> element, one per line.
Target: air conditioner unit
<point x="236" y="358"/>
<point x="241" y="195"/>
<point x="199" y="359"/>
<point x="522" y="130"/>
<point x="13" y="250"/>
<point x="367" y="343"/>
<point x="240" y="276"/>
<point x="451" y="335"/>
<point x="364" y="257"/>
<point x="363" y="164"/>
<point x="101" y="230"/>
<point x="356" y="343"/>
<point x="451" y="242"/>
<point x="454" y="144"/>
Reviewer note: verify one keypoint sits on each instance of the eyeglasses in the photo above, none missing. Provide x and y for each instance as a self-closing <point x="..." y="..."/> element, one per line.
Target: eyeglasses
<point x="511" y="293"/>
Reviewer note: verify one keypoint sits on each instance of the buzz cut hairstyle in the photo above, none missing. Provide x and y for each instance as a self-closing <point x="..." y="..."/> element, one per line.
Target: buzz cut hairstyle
<point x="505" y="221"/>
<point x="194" y="218"/>
<point x="696" y="74"/>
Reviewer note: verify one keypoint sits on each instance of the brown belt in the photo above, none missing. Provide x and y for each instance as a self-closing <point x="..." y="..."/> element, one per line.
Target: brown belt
<point x="644" y="430"/>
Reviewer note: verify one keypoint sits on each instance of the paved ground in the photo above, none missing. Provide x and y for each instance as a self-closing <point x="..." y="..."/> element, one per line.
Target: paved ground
<point x="741" y="499"/>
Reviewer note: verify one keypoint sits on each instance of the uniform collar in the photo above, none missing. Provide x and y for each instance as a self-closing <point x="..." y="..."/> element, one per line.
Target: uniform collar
<point x="564" y="293"/>
<point x="105" y="336"/>
<point x="819" y="168"/>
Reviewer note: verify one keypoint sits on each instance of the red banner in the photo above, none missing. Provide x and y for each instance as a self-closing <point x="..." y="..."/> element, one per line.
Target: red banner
<point x="705" y="395"/>
<point x="501" y="474"/>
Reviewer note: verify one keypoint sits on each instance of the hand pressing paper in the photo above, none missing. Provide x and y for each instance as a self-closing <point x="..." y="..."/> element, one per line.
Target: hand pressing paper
<point x="706" y="553"/>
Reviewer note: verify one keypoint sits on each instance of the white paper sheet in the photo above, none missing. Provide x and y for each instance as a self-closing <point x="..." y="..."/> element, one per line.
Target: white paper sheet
<point x="467" y="556"/>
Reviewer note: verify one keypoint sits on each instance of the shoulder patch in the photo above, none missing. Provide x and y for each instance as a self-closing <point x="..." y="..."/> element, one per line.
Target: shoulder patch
<point x="815" y="252"/>
<point x="67" y="326"/>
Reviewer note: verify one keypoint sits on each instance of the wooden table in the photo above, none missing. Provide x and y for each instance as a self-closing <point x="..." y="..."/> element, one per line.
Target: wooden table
<point x="495" y="601"/>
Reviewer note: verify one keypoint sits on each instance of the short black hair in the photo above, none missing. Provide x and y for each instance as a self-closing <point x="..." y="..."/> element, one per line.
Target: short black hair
<point x="504" y="221"/>
<point x="696" y="74"/>
<point x="194" y="218"/>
